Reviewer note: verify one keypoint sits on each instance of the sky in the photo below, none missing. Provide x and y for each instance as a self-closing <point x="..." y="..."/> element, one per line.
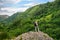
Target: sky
<point x="9" y="7"/>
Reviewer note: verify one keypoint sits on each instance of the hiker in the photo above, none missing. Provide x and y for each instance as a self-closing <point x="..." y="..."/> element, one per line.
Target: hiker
<point x="36" y="26"/>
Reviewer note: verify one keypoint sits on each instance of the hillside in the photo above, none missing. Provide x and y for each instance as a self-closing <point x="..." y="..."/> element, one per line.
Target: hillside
<point x="3" y="17"/>
<point x="12" y="18"/>
<point x="48" y="16"/>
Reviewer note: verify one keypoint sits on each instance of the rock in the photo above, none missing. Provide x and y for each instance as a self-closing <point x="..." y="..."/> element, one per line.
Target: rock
<point x="33" y="36"/>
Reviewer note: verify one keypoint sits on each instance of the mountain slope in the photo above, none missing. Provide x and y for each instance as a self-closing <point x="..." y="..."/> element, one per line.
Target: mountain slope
<point x="48" y="16"/>
<point x="2" y="17"/>
<point x="13" y="18"/>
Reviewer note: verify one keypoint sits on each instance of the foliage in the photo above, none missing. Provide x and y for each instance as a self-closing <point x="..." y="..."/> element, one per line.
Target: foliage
<point x="48" y="16"/>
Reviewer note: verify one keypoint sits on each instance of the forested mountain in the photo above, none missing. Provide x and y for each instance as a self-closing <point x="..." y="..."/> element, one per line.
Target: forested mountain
<point x="13" y="18"/>
<point x="47" y="15"/>
<point x="2" y="17"/>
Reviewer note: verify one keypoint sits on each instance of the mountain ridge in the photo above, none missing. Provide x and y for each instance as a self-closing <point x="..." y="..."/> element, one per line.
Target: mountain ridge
<point x="47" y="15"/>
<point x="3" y="17"/>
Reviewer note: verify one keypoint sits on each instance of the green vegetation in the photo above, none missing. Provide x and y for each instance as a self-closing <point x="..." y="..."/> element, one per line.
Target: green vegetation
<point x="3" y="17"/>
<point x="47" y="14"/>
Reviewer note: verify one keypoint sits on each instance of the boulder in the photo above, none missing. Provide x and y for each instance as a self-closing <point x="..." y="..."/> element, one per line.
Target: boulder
<point x="33" y="36"/>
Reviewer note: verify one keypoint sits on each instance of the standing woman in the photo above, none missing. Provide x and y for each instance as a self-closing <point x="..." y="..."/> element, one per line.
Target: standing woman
<point x="36" y="26"/>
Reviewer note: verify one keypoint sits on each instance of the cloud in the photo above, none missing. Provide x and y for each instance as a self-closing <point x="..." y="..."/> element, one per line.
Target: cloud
<point x="6" y="3"/>
<point x="51" y="0"/>
<point x="9" y="1"/>
<point x="31" y="4"/>
<point x="10" y="10"/>
<point x="29" y="0"/>
<point x="36" y="2"/>
<point x="7" y="10"/>
<point x="6" y="7"/>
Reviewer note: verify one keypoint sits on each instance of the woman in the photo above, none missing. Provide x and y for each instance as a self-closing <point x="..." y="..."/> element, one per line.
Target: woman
<point x="36" y="26"/>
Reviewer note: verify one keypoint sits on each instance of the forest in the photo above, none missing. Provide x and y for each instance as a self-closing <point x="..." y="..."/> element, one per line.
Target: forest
<point x="47" y="15"/>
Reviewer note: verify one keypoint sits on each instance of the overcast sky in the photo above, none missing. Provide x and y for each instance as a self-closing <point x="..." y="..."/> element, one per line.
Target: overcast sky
<point x="9" y="7"/>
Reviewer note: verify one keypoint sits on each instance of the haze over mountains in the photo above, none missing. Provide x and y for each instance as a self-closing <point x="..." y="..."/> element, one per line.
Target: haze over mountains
<point x="3" y="17"/>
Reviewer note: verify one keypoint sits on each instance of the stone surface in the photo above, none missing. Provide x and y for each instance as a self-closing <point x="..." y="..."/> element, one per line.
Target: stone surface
<point x="33" y="36"/>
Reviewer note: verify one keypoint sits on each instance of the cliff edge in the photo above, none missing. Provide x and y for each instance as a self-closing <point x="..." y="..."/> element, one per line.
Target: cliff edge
<point x="33" y="36"/>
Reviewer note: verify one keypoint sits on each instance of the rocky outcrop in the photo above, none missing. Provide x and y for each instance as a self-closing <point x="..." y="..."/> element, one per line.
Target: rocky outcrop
<point x="33" y="36"/>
